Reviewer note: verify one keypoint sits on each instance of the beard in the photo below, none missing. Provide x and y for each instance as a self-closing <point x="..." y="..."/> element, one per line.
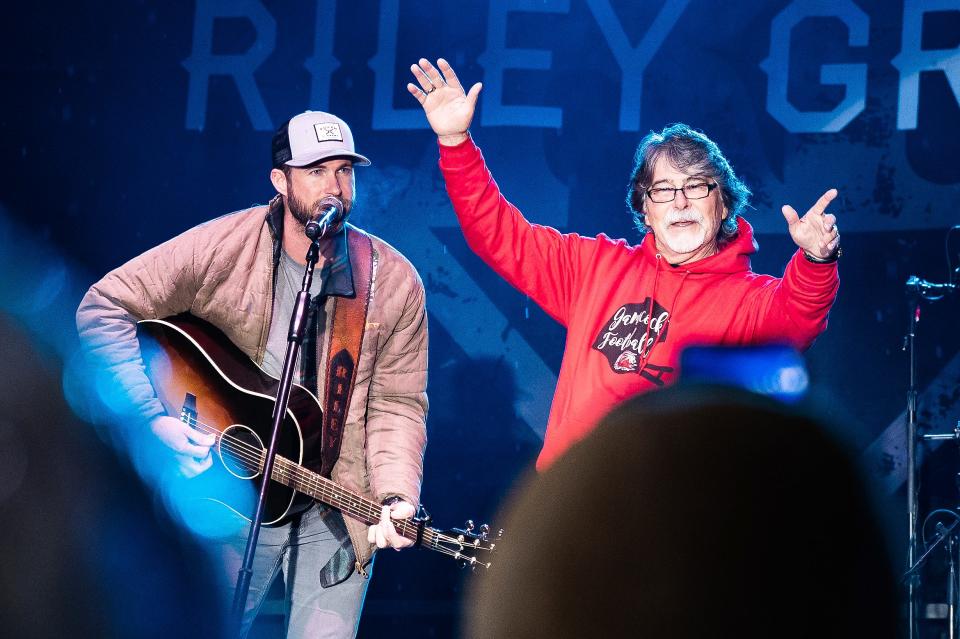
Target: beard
<point x="687" y="239"/>
<point x="303" y="213"/>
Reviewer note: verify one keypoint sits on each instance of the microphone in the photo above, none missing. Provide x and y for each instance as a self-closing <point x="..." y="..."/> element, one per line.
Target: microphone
<point x="329" y="218"/>
<point x="917" y="285"/>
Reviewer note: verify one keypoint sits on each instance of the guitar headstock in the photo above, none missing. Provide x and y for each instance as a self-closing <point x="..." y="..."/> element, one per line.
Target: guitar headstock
<point x="470" y="545"/>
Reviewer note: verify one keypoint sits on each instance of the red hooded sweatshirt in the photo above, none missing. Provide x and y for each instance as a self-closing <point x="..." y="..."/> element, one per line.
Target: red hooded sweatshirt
<point x="627" y="312"/>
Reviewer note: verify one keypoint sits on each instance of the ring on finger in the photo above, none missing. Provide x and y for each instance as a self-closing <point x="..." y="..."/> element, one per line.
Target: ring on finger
<point x="432" y="89"/>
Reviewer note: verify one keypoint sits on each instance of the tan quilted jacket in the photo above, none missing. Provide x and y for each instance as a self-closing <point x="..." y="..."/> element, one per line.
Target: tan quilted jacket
<point x="222" y="271"/>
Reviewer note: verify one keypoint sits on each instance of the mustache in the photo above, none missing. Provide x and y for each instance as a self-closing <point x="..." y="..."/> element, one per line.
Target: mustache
<point x="303" y="213"/>
<point x="686" y="215"/>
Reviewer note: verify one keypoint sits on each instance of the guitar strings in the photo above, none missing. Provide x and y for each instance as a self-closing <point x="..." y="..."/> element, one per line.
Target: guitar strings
<point x="253" y="459"/>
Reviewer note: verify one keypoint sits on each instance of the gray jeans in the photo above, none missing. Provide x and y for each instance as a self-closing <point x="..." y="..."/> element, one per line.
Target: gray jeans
<point x="300" y="549"/>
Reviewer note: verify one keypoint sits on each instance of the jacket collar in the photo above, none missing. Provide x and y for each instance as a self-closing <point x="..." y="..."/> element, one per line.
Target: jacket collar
<point x="337" y="272"/>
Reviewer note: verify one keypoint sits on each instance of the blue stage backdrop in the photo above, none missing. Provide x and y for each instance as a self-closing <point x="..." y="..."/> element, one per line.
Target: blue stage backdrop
<point x="125" y="123"/>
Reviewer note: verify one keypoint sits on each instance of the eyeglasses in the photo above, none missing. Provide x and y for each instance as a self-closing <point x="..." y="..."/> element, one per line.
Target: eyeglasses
<point x="694" y="191"/>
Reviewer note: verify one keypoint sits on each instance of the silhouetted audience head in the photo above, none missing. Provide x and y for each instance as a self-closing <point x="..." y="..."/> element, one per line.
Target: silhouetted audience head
<point x="692" y="512"/>
<point x="84" y="549"/>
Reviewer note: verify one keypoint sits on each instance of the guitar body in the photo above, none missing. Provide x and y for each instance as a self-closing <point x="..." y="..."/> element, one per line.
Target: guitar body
<point x="232" y="398"/>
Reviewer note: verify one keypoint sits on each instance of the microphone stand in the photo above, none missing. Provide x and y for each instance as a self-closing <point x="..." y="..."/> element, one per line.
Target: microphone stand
<point x="910" y="345"/>
<point x="952" y="588"/>
<point x="298" y="323"/>
<point x="918" y="289"/>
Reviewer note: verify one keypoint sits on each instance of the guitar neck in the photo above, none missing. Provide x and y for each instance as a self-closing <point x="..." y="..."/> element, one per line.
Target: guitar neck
<point x="349" y="503"/>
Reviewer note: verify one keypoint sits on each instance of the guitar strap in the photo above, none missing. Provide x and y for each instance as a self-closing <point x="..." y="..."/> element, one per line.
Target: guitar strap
<point x="343" y="352"/>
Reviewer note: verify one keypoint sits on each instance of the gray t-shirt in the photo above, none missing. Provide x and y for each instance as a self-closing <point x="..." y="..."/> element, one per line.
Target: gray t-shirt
<point x="289" y="280"/>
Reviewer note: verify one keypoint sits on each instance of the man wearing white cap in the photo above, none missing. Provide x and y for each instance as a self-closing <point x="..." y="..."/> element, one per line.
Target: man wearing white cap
<point x="241" y="273"/>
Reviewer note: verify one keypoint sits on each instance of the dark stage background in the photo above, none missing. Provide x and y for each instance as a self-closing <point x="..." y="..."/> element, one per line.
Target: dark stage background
<point x="125" y="123"/>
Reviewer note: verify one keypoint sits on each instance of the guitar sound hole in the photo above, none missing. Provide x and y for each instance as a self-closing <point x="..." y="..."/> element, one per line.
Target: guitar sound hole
<point x="241" y="451"/>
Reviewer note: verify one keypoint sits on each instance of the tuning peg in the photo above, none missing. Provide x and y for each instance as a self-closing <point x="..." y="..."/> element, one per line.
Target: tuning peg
<point x="469" y="526"/>
<point x="484" y="530"/>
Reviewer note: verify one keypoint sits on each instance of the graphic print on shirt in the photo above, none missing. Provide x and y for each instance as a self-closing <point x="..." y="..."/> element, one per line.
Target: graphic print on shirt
<point x="626" y="341"/>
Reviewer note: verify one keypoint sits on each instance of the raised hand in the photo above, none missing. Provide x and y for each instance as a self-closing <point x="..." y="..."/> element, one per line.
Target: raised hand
<point x="816" y="232"/>
<point x="448" y="108"/>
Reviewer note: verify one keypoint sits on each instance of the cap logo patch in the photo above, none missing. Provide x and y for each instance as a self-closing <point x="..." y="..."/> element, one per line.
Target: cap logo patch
<point x="327" y="131"/>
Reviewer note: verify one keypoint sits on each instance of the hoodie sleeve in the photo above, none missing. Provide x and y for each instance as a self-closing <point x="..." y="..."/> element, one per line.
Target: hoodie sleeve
<point x="795" y="310"/>
<point x="537" y="260"/>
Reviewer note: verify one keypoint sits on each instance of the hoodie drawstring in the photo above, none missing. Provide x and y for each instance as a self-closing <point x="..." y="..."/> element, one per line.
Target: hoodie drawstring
<point x="672" y="308"/>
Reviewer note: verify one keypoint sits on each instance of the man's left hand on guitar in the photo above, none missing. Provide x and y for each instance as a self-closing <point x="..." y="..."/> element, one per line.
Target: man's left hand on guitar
<point x="384" y="534"/>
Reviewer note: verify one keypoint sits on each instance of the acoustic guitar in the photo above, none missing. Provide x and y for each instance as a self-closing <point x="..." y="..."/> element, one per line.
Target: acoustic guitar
<point x="202" y="377"/>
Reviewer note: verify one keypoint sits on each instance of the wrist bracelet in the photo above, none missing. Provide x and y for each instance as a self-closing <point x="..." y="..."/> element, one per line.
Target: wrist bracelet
<point x="824" y="260"/>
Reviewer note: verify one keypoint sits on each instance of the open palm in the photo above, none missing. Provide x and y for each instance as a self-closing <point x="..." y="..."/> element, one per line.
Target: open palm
<point x="448" y="108"/>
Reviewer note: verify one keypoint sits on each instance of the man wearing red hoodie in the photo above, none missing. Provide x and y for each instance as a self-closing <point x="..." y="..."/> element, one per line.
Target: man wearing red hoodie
<point x="630" y="310"/>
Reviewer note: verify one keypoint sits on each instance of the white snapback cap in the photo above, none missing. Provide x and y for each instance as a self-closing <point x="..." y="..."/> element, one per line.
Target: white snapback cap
<point x="311" y="137"/>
